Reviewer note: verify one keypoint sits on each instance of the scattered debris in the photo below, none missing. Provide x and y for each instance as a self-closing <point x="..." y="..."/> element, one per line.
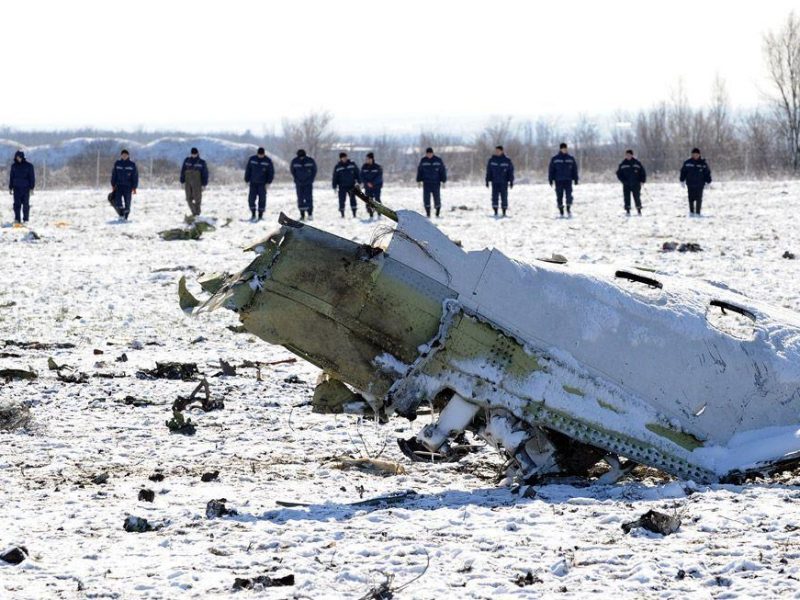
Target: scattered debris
<point x="68" y="376"/>
<point x="193" y="231"/>
<point x="460" y="207"/>
<point x="237" y="328"/>
<point x="293" y="379"/>
<point x="53" y="365"/>
<point x="38" y="345"/>
<point x="137" y="525"/>
<point x="173" y="269"/>
<point x="380" y="501"/>
<point x="146" y="495"/>
<point x="100" y="478"/>
<point x="527" y="579"/>
<point x="685" y="247"/>
<point x="157" y="477"/>
<point x="97" y="352"/>
<point x="262" y="581"/>
<point x="369" y="465"/>
<point x="135" y="402"/>
<point x="199" y="339"/>
<point x="216" y="509"/>
<point x="207" y="403"/>
<point x="789" y="255"/>
<point x="14" y="555"/>
<point x="209" y="476"/>
<point x="121" y="358"/>
<point x="11" y="374"/>
<point x="654" y="521"/>
<point x="227" y="369"/>
<point x="8" y="304"/>
<point x="178" y="424"/>
<point x="171" y="370"/>
<point x="31" y="236"/>
<point x="14" y="416"/>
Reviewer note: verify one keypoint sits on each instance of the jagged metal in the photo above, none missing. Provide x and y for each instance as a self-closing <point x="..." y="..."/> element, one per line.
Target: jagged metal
<point x="558" y="365"/>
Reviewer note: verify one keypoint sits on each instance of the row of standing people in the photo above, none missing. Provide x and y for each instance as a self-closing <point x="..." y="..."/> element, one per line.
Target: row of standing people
<point x="431" y="176"/>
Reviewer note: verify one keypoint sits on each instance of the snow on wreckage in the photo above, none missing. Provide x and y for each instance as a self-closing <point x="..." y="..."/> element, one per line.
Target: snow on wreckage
<point x="557" y="365"/>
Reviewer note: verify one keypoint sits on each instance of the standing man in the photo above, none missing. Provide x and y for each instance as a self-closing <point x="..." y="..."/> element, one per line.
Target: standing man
<point x="194" y="177"/>
<point x="563" y="172"/>
<point x="21" y="182"/>
<point x="124" y="181"/>
<point x="259" y="174"/>
<point x="345" y="177"/>
<point x="500" y="173"/>
<point x="432" y="176"/>
<point x="372" y="176"/>
<point x="304" y="171"/>
<point x="633" y="176"/>
<point x="695" y="174"/>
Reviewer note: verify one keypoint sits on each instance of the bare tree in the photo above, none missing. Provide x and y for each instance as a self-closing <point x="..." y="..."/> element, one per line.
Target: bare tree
<point x="313" y="133"/>
<point x="782" y="54"/>
<point x="721" y="135"/>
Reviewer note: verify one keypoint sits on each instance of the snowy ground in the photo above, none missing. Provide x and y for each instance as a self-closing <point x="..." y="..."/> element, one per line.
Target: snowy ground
<point x="110" y="289"/>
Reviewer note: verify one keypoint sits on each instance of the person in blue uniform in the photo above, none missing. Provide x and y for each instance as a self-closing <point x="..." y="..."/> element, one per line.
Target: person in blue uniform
<point x="259" y="173"/>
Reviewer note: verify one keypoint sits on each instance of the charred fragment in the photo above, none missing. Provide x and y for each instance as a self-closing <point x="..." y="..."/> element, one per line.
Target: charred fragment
<point x="417" y="322"/>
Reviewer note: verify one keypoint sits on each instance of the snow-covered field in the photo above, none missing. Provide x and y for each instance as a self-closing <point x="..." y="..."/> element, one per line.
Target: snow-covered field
<point x="110" y="289"/>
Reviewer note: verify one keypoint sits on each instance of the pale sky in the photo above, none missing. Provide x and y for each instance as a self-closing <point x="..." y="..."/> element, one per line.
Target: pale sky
<point x="381" y="65"/>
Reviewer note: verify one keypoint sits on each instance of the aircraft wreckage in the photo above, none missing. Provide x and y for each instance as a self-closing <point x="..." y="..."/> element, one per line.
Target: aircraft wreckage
<point x="558" y="365"/>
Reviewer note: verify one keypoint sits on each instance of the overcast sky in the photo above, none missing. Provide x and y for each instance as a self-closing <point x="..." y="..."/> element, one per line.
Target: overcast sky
<point x="383" y="66"/>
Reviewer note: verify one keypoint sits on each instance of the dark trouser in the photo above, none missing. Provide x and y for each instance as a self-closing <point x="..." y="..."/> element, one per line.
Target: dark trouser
<point x="194" y="195"/>
<point x="431" y="189"/>
<point x="500" y="193"/>
<point x="636" y="190"/>
<point x="374" y="193"/>
<point x="258" y="190"/>
<point x="22" y="205"/>
<point x="343" y="193"/>
<point x="305" y="196"/>
<point x="563" y="187"/>
<point x="695" y="199"/>
<point x="123" y="198"/>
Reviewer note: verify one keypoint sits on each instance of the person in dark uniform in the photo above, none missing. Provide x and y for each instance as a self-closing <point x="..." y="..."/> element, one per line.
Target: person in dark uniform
<point x="124" y="181"/>
<point x="633" y="176"/>
<point x="194" y="177"/>
<point x="21" y="181"/>
<point x="695" y="174"/>
<point x="345" y="177"/>
<point x="372" y="177"/>
<point x="500" y="174"/>
<point x="259" y="173"/>
<point x="304" y="171"/>
<point x="432" y="176"/>
<point x="563" y="172"/>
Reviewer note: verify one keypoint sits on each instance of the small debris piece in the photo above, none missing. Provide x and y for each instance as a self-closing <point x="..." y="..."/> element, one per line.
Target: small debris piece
<point x="262" y="581"/>
<point x="227" y="368"/>
<point x="14" y="416"/>
<point x="369" y="465"/>
<point x="654" y="521"/>
<point x="178" y="424"/>
<point x="157" y="477"/>
<point x="8" y="304"/>
<point x="171" y="370"/>
<point x="237" y="328"/>
<point x="135" y="402"/>
<point x="100" y="478"/>
<point x="527" y="579"/>
<point x="122" y="358"/>
<point x="146" y="495"/>
<point x="15" y="555"/>
<point x="207" y="403"/>
<point x="97" y="352"/>
<point x="137" y="525"/>
<point x="9" y="374"/>
<point x="216" y="509"/>
<point x="53" y="365"/>
<point x="789" y="255"/>
<point x="38" y="345"/>
<point x="690" y="247"/>
<point x="68" y="376"/>
<point x="210" y="476"/>
<point x="293" y="379"/>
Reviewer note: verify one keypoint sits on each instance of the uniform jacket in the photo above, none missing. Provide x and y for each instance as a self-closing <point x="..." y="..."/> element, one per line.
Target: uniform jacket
<point x="631" y="172"/>
<point x="195" y="164"/>
<point x="431" y="170"/>
<point x="259" y="170"/>
<point x="125" y="175"/>
<point x="696" y="173"/>
<point x="563" y="167"/>
<point x="345" y="175"/>
<point x="303" y="169"/>
<point x="22" y="177"/>
<point x="372" y="174"/>
<point x="500" y="170"/>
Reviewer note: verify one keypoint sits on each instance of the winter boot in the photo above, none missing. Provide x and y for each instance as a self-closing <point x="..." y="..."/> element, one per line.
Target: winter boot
<point x="495" y="211"/>
<point x="341" y="212"/>
<point x="428" y="212"/>
<point x="569" y="210"/>
<point x="639" y="211"/>
<point x="504" y="212"/>
<point x="260" y="215"/>
<point x="627" y="212"/>
<point x="253" y="215"/>
<point x="438" y="212"/>
<point x="354" y="213"/>
<point x="302" y="215"/>
<point x="561" y="210"/>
